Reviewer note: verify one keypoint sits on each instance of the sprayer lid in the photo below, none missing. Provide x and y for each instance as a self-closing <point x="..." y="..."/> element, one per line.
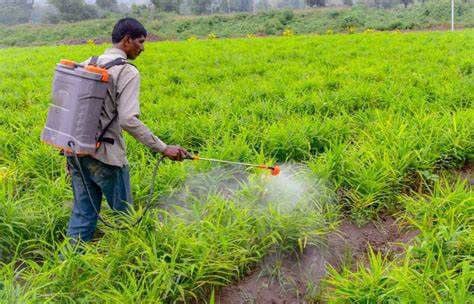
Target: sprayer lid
<point x="98" y="70"/>
<point x="68" y="63"/>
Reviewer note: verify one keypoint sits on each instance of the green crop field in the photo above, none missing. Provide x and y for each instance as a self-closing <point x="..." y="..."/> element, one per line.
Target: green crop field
<point x="379" y="120"/>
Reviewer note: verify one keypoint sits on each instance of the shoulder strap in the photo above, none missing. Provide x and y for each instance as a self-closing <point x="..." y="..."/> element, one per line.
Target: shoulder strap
<point x="93" y="60"/>
<point x="101" y="138"/>
<point x="108" y="65"/>
<point x="116" y="61"/>
<point x="114" y="98"/>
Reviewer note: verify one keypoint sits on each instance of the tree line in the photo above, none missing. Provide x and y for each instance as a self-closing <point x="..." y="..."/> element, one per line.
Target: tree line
<point x="23" y="11"/>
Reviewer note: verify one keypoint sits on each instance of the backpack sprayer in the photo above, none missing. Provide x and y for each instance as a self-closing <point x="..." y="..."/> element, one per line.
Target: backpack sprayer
<point x="79" y="92"/>
<point x="73" y="123"/>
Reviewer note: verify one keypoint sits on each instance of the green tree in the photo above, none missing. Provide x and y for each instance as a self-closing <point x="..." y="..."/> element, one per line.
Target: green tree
<point x="200" y="7"/>
<point x="313" y="3"/>
<point x="167" y="5"/>
<point x="108" y="5"/>
<point x="386" y="3"/>
<point x="406" y="2"/>
<point x="15" y="11"/>
<point x="73" y="10"/>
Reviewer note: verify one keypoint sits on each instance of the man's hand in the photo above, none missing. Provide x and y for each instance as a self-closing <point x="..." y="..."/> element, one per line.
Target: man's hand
<point x="176" y="153"/>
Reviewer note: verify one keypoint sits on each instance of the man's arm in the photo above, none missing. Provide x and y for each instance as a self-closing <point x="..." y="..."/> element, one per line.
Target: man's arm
<point x="128" y="114"/>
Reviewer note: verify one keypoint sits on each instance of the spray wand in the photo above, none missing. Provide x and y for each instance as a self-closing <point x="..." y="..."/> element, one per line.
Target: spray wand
<point x="275" y="170"/>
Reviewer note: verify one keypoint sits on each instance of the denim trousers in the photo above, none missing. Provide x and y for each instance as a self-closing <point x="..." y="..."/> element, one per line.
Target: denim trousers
<point x="111" y="181"/>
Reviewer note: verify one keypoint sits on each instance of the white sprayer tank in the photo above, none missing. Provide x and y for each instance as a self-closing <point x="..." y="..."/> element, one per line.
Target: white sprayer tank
<point x="77" y="102"/>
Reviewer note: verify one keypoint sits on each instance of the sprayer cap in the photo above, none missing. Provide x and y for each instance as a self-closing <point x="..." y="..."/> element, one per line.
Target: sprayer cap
<point x="98" y="70"/>
<point x="68" y="63"/>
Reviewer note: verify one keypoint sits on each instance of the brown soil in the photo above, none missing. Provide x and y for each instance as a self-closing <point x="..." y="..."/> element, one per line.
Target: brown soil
<point x="467" y="173"/>
<point x="437" y="27"/>
<point x="294" y="277"/>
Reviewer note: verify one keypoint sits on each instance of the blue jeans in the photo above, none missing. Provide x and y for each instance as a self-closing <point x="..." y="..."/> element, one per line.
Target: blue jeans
<point x="112" y="181"/>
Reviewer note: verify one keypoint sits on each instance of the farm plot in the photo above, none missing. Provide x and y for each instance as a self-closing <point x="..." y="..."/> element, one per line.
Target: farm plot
<point x="373" y="117"/>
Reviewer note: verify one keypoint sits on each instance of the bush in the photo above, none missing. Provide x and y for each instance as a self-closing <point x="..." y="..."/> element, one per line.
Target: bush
<point x="350" y="21"/>
<point x="395" y="25"/>
<point x="108" y="5"/>
<point x="273" y="26"/>
<point x="14" y="12"/>
<point x="286" y="16"/>
<point x="73" y="10"/>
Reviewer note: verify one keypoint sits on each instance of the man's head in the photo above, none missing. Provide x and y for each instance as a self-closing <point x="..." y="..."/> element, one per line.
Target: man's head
<point x="129" y="35"/>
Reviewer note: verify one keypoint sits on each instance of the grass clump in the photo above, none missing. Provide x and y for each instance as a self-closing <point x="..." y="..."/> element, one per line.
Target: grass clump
<point x="167" y="258"/>
<point x="437" y="268"/>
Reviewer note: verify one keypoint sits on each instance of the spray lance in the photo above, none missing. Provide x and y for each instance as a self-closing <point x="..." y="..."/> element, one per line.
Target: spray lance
<point x="275" y="170"/>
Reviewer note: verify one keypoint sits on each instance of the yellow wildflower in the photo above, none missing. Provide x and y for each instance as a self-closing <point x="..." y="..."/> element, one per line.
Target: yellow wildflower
<point x="288" y="32"/>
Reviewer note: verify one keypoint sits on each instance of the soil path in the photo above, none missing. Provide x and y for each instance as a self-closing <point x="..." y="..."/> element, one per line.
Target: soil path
<point x="292" y="278"/>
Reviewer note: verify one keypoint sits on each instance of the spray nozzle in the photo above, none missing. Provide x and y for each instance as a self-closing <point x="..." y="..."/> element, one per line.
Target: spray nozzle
<point x="275" y="170"/>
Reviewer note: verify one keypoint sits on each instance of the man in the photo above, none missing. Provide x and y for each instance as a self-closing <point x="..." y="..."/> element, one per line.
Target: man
<point x="107" y="172"/>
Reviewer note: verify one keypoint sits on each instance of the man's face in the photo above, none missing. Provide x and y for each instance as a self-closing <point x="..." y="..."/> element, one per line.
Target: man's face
<point x="133" y="47"/>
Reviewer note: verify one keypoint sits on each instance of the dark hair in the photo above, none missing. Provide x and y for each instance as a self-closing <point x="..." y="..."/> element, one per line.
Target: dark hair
<point x="128" y="26"/>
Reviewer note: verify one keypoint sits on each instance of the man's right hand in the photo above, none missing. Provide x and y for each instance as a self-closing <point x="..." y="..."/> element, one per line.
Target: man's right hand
<point x="176" y="153"/>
